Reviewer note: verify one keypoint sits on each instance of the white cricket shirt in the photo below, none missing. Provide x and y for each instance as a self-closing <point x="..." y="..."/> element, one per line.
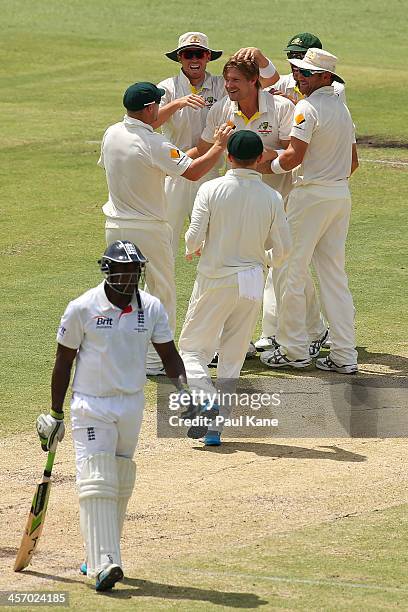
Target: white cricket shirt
<point x="136" y="160"/>
<point x="287" y="85"/>
<point x="239" y="217"/>
<point x="111" y="342"/>
<point x="324" y="122"/>
<point x="272" y="123"/>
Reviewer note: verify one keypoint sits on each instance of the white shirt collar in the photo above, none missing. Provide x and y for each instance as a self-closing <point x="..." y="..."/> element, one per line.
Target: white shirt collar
<point x="136" y="122"/>
<point x="245" y="172"/>
<point x="328" y="90"/>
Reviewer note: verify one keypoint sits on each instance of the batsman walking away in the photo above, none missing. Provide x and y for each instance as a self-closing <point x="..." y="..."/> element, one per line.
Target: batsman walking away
<point x="106" y="332"/>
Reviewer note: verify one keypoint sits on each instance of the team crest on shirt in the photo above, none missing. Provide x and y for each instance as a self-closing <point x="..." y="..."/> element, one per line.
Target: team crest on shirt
<point x="61" y="330"/>
<point x="210" y="101"/>
<point x="140" y="322"/>
<point x="264" y="128"/>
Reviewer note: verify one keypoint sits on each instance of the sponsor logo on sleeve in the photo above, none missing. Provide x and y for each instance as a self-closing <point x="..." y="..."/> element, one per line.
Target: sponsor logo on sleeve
<point x="175" y="154"/>
<point x="61" y="331"/>
<point x="299" y="119"/>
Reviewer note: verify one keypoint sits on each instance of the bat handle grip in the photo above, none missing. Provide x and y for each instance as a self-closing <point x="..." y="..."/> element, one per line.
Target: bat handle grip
<point x="49" y="464"/>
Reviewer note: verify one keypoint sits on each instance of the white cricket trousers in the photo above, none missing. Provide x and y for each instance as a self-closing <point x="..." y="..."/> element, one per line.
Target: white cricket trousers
<point x="217" y="319"/>
<point x="154" y="239"/>
<point x="108" y="425"/>
<point x="318" y="217"/>
<point x="274" y="286"/>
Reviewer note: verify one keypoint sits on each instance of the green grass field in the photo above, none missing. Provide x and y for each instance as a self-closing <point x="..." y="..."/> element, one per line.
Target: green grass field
<point x="64" y="68"/>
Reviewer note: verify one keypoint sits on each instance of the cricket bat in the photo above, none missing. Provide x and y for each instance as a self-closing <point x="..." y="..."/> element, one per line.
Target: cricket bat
<point x="35" y="521"/>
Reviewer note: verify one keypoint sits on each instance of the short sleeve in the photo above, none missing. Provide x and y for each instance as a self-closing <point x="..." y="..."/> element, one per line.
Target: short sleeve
<point x="71" y="330"/>
<point x="161" y="331"/>
<point x="340" y="91"/>
<point x="304" y="121"/>
<point x="168" y="157"/>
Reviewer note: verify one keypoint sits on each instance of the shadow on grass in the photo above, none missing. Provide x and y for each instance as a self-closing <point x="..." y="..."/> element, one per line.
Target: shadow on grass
<point x="280" y="451"/>
<point x="62" y="579"/>
<point x="164" y="591"/>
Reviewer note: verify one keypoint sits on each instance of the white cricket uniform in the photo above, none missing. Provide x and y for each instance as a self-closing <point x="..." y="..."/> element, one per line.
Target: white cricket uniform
<point x="238" y="218"/>
<point x="136" y="160"/>
<point x="184" y="128"/>
<point x="108" y="400"/>
<point x="272" y="123"/>
<point x="318" y="212"/>
<point x="287" y="85"/>
<point x="315" y="323"/>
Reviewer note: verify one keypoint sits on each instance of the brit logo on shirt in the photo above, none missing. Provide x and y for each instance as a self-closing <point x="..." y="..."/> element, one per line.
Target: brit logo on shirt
<point x="103" y="322"/>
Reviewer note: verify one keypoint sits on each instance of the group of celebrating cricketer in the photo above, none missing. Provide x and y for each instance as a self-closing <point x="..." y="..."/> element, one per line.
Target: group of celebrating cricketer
<point x="282" y="205"/>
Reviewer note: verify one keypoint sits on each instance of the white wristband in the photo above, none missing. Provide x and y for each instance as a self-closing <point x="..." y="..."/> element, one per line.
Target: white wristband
<point x="268" y="71"/>
<point x="276" y="167"/>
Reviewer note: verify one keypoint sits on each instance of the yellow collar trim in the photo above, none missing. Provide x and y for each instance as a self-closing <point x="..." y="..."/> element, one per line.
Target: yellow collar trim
<point x="194" y="89"/>
<point x="299" y="93"/>
<point x="245" y="118"/>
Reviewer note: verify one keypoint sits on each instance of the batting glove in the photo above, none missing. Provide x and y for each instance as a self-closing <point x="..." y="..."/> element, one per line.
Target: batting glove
<point x="51" y="430"/>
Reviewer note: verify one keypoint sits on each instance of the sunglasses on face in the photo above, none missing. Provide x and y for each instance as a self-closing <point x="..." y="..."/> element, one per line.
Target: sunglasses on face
<point x="296" y="54"/>
<point x="308" y="73"/>
<point x="198" y="53"/>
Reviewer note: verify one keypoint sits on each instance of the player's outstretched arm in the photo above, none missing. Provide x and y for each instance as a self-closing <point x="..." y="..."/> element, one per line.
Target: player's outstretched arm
<point x="202" y="165"/>
<point x="167" y="110"/>
<point x="268" y="75"/>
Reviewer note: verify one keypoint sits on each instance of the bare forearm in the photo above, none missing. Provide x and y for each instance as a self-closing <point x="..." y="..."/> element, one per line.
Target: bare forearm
<point x="193" y="153"/>
<point x="268" y="81"/>
<point x="354" y="159"/>
<point x="173" y="363"/>
<point x="165" y="112"/>
<point x="203" y="164"/>
<point x="59" y="384"/>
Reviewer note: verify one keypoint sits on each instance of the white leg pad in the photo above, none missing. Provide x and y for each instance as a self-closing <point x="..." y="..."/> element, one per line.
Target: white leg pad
<point x="126" y="477"/>
<point x="98" y="506"/>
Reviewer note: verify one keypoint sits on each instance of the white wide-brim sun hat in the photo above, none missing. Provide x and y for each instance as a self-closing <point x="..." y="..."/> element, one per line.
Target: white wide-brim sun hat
<point x="318" y="59"/>
<point x="194" y="40"/>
